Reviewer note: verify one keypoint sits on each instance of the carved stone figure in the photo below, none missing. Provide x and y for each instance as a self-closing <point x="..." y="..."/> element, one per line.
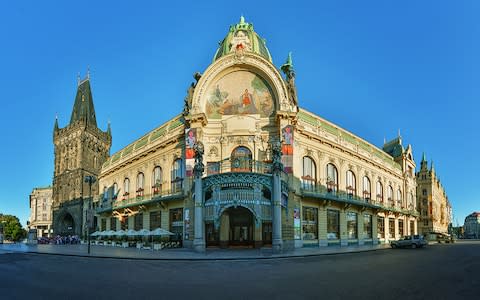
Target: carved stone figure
<point x="289" y="72"/>
<point x="189" y="97"/>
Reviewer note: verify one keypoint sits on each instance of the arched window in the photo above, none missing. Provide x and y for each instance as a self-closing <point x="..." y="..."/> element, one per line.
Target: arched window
<point x="367" y="189"/>
<point x="126" y="188"/>
<point x="351" y="184"/>
<point x="390" y="195"/>
<point x="241" y="159"/>
<point x="177" y="175"/>
<point x="115" y="191"/>
<point x="157" y="180"/>
<point x="105" y="193"/>
<point x="399" y="199"/>
<point x="332" y="178"/>
<point x="140" y="186"/>
<point x="379" y="191"/>
<point x="309" y="177"/>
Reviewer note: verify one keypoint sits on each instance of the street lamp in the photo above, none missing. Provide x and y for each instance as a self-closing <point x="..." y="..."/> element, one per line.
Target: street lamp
<point x="90" y="179"/>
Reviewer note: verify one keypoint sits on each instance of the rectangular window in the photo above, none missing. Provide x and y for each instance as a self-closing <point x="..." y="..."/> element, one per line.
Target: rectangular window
<point x="310" y="223"/>
<point x="412" y="227"/>
<point x="138" y="222"/>
<point x="124" y="224"/>
<point x="176" y="224"/>
<point x="113" y="223"/>
<point x="352" y="225"/>
<point x="425" y="222"/>
<point x="391" y="227"/>
<point x="424" y="192"/>
<point x="367" y="226"/>
<point x="155" y="220"/>
<point x="400" y="228"/>
<point x="103" y="224"/>
<point x="333" y="224"/>
<point x="381" y="227"/>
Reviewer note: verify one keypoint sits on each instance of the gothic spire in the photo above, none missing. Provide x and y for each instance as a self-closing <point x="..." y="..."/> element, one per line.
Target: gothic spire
<point x="83" y="109"/>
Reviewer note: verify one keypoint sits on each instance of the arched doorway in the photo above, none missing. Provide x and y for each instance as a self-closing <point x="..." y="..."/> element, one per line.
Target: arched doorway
<point x="67" y="225"/>
<point x="237" y="228"/>
<point x="241" y="159"/>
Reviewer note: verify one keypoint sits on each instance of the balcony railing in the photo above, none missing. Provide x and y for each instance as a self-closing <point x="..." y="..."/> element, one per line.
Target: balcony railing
<point x="320" y="191"/>
<point x="238" y="165"/>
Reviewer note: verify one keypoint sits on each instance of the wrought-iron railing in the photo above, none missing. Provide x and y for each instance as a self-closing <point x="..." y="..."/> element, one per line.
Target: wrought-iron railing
<point x="238" y="165"/>
<point x="323" y="192"/>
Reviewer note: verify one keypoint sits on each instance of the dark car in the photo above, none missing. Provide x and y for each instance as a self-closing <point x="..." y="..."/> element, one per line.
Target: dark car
<point x="410" y="241"/>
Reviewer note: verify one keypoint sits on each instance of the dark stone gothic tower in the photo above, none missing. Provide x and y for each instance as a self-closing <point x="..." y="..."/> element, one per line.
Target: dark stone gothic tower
<point x="80" y="150"/>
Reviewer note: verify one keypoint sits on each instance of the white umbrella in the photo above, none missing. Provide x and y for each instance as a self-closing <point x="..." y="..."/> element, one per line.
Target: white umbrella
<point x="109" y="233"/>
<point x="161" y="232"/>
<point x="96" y="233"/>
<point x="131" y="232"/>
<point x="120" y="233"/>
<point x="144" y="232"/>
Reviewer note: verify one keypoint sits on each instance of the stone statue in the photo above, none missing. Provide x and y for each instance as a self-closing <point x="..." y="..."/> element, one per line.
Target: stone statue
<point x="199" y="167"/>
<point x="189" y="97"/>
<point x="277" y="156"/>
<point x="289" y="72"/>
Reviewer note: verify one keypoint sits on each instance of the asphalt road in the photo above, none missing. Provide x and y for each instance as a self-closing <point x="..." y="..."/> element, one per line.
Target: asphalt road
<point x="436" y="272"/>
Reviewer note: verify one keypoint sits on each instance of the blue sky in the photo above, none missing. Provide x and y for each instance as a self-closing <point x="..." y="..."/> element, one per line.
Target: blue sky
<point x="372" y="67"/>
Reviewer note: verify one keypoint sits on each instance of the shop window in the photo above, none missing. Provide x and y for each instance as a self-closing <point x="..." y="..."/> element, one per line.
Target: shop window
<point x="352" y="225"/>
<point x="391" y="228"/>
<point x="155" y="220"/>
<point x="333" y="224"/>
<point x="113" y="223"/>
<point x="176" y="224"/>
<point x="138" y="221"/>
<point x="381" y="227"/>
<point x="310" y="223"/>
<point x="400" y="228"/>
<point x="309" y="177"/>
<point x="103" y="224"/>
<point x="367" y="226"/>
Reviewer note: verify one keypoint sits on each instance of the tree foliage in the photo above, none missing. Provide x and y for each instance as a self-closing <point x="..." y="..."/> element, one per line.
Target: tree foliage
<point x="12" y="229"/>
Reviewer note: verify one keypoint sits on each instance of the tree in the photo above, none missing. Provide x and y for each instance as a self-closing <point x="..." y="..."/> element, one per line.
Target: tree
<point x="12" y="229"/>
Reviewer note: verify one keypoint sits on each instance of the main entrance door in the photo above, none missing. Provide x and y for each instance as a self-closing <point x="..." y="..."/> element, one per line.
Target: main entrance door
<point x="241" y="227"/>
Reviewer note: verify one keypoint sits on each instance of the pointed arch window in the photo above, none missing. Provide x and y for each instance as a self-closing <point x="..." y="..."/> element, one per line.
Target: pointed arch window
<point x="351" y="184"/>
<point x="177" y="175"/>
<point x="332" y="178"/>
<point x="157" y="180"/>
<point x="379" y="191"/>
<point x="140" y="184"/>
<point x="309" y="177"/>
<point x="241" y="159"/>
<point x="367" y="189"/>
<point x="126" y="188"/>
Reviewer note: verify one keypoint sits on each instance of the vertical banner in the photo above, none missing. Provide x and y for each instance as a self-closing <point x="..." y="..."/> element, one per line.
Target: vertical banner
<point x="190" y="140"/>
<point x="287" y="149"/>
<point x="296" y="223"/>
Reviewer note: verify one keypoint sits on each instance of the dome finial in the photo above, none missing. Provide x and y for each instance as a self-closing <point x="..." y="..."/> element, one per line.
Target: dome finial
<point x="242" y="19"/>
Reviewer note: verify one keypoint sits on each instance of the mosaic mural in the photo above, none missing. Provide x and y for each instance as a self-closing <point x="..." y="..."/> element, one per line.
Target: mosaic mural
<point x="239" y="93"/>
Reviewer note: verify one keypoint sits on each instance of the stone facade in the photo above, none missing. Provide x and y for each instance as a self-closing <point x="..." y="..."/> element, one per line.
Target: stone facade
<point x="41" y="211"/>
<point x="435" y="209"/>
<point x="472" y="226"/>
<point x="275" y="174"/>
<point x="80" y="150"/>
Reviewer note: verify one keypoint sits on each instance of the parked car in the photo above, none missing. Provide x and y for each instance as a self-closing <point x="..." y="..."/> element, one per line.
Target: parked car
<point x="410" y="241"/>
<point x="445" y="238"/>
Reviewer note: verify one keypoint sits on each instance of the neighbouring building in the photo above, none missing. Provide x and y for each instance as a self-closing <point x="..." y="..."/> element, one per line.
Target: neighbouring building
<point x="242" y="165"/>
<point x="471" y="226"/>
<point x="41" y="211"/>
<point x="80" y="150"/>
<point x="432" y="201"/>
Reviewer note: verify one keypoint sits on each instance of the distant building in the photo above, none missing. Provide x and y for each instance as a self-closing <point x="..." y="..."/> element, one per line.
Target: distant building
<point x="432" y="201"/>
<point x="472" y="226"/>
<point x="41" y="211"/>
<point x="80" y="150"/>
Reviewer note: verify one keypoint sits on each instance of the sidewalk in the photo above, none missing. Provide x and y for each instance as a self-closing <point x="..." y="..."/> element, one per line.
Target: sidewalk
<point x="181" y="253"/>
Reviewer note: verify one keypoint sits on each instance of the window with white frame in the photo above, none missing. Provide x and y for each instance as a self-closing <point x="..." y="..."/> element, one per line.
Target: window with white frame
<point x="157" y="180"/>
<point x="351" y="184"/>
<point x="367" y="189"/>
<point x="126" y="187"/>
<point x="332" y="178"/>
<point x="379" y="191"/>
<point x="140" y="186"/>
<point x="309" y="177"/>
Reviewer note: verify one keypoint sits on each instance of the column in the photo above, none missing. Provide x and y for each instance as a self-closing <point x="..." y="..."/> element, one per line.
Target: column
<point x="199" y="240"/>
<point x="277" y="242"/>
<point x="374" y="228"/>
<point x="360" y="234"/>
<point x="322" y="227"/>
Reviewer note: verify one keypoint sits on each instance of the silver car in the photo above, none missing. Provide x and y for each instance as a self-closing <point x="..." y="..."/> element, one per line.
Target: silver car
<point x="410" y="241"/>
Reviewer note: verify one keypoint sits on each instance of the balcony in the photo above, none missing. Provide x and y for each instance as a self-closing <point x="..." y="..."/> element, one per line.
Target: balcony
<point x="238" y="165"/>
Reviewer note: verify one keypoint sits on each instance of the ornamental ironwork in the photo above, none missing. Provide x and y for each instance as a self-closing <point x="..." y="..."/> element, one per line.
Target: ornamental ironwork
<point x="237" y="179"/>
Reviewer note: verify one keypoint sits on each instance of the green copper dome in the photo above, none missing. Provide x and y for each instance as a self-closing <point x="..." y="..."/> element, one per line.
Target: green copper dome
<point x="242" y="37"/>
